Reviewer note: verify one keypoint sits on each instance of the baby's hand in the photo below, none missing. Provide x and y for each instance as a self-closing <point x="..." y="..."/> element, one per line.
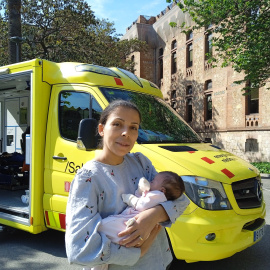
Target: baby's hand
<point x="143" y="186"/>
<point x="126" y="198"/>
<point x="130" y="199"/>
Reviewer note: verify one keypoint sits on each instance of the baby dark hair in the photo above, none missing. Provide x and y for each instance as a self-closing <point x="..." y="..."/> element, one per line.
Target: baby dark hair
<point x="173" y="184"/>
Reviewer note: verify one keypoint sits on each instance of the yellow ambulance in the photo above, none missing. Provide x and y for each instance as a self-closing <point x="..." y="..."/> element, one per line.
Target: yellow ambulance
<point x="49" y="114"/>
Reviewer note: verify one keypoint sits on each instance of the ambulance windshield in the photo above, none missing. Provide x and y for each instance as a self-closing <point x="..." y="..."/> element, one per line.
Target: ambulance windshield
<point x="160" y="123"/>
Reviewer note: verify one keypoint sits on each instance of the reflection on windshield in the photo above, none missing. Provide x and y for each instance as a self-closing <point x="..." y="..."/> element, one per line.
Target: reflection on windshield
<point x="148" y="135"/>
<point x="160" y="123"/>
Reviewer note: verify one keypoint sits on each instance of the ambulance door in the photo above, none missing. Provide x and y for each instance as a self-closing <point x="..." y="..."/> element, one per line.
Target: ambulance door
<point x="68" y="106"/>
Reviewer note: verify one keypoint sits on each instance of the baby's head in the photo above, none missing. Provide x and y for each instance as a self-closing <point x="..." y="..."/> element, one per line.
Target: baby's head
<point x="170" y="183"/>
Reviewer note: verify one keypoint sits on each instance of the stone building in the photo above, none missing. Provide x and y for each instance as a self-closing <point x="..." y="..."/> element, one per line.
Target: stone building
<point x="207" y="98"/>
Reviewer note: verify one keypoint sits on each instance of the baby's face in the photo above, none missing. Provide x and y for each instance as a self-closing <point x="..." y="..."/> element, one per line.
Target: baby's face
<point x="156" y="183"/>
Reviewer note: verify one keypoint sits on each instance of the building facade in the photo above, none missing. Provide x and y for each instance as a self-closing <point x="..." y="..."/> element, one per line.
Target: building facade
<point x="206" y="97"/>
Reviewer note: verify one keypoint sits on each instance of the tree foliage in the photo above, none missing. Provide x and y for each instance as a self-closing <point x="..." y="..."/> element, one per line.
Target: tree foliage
<point x="62" y="31"/>
<point x="3" y="42"/>
<point x="240" y="34"/>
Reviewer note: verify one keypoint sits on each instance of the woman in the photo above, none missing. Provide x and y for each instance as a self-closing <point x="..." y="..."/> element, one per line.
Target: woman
<point x="96" y="193"/>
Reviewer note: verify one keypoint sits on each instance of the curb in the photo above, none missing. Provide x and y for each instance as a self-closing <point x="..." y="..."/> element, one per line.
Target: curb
<point x="265" y="175"/>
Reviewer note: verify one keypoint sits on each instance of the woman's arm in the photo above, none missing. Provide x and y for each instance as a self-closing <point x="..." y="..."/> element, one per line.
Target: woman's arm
<point x="84" y="244"/>
<point x="149" y="241"/>
<point x="165" y="213"/>
<point x="175" y="208"/>
<point x="145" y="223"/>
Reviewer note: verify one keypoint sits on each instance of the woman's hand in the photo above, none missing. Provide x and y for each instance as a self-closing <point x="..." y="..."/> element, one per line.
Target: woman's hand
<point x="140" y="230"/>
<point x="149" y="241"/>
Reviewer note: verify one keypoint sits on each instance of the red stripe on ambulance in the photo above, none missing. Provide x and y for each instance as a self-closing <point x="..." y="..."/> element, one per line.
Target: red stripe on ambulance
<point x="62" y="219"/>
<point x="118" y="81"/>
<point x="208" y="160"/>
<point x="47" y="218"/>
<point x="67" y="186"/>
<point x="228" y="173"/>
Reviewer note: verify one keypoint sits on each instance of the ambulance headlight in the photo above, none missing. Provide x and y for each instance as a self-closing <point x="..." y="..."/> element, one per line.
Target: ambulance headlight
<point x="206" y="193"/>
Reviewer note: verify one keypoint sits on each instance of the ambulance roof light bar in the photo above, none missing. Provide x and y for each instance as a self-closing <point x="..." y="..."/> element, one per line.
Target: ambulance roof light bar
<point x="96" y="69"/>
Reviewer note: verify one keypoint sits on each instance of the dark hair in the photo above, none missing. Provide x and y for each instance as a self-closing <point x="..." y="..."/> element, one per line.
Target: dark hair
<point x="111" y="108"/>
<point x="173" y="184"/>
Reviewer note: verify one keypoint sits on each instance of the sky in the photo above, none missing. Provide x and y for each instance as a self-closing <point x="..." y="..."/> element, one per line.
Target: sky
<point x="124" y="12"/>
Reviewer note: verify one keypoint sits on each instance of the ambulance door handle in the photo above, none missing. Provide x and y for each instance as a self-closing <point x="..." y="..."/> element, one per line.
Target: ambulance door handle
<point x="61" y="158"/>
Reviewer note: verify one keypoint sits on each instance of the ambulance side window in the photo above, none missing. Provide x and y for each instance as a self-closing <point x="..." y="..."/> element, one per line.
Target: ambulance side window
<point x="73" y="107"/>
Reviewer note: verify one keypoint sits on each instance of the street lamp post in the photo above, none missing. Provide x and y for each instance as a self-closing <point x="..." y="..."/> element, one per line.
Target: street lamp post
<point x="17" y="40"/>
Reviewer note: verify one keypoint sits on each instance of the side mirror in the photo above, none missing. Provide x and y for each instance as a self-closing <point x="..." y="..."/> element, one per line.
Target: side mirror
<point x="87" y="134"/>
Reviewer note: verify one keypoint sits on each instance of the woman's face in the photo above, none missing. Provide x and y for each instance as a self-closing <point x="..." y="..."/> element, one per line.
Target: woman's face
<point x="119" y="134"/>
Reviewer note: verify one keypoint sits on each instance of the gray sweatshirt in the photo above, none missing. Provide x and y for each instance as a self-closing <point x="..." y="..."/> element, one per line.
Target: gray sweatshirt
<point x="95" y="193"/>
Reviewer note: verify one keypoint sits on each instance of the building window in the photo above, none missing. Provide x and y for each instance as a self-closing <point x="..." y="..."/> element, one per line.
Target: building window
<point x="251" y="145"/>
<point x="189" y="95"/>
<point x="189" y="50"/>
<point x="189" y="110"/>
<point x="252" y="100"/>
<point x="173" y="94"/>
<point x="173" y="99"/>
<point x="208" y="46"/>
<point x="132" y="59"/>
<point x="174" y="45"/>
<point x="173" y="57"/>
<point x="174" y="63"/>
<point x="208" y="107"/>
<point x="174" y="104"/>
<point x="208" y="85"/>
<point x="160" y="63"/>
<point x="189" y="90"/>
<point x="189" y="55"/>
<point x="189" y="35"/>
<point x="208" y="100"/>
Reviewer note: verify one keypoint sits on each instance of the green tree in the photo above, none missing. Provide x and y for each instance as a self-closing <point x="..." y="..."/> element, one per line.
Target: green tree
<point x="61" y="30"/>
<point x="4" y="53"/>
<point x="108" y="50"/>
<point x="240" y="34"/>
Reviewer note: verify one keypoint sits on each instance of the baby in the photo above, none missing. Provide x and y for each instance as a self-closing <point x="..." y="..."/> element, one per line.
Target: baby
<point x="165" y="186"/>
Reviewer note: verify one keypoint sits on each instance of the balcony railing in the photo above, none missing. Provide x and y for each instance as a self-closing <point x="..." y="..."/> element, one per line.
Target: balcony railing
<point x="207" y="66"/>
<point x="252" y="120"/>
<point x="189" y="72"/>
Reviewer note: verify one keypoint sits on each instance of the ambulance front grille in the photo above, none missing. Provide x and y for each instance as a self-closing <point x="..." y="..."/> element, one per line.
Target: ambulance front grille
<point x="248" y="193"/>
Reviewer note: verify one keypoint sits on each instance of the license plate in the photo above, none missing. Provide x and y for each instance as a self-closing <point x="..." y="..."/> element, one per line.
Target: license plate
<point x="258" y="234"/>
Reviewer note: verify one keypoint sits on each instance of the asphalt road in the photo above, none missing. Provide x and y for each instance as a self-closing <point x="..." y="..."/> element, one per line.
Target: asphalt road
<point x="45" y="251"/>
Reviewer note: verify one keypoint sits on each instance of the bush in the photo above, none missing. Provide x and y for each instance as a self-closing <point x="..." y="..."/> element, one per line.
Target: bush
<point x="263" y="167"/>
